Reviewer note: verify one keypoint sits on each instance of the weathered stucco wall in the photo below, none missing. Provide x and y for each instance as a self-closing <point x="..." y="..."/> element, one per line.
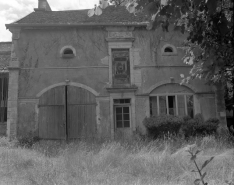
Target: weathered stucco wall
<point x="154" y="67"/>
<point x="142" y="109"/>
<point x="42" y="66"/>
<point x="27" y="116"/>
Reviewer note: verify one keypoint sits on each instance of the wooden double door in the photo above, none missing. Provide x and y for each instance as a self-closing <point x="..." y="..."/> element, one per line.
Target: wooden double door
<point x="67" y="112"/>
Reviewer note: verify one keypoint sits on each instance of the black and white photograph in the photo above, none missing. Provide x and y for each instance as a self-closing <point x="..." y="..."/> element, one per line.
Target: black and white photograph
<point x="116" y="92"/>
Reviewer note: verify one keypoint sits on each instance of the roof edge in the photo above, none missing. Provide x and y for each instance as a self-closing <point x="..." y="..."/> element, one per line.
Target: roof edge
<point x="5" y="42"/>
<point x="20" y="18"/>
<point x="74" y="25"/>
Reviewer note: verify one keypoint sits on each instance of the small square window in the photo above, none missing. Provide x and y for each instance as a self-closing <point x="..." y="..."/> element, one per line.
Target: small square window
<point x="119" y="124"/>
<point x="119" y="110"/>
<point x="126" y="124"/>
<point x="126" y="117"/>
<point x="126" y="110"/>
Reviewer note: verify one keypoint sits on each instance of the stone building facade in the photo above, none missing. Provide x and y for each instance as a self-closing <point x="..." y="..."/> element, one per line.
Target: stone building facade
<point x="72" y="77"/>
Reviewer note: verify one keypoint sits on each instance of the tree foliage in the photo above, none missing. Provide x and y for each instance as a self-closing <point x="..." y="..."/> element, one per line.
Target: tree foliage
<point x="209" y="25"/>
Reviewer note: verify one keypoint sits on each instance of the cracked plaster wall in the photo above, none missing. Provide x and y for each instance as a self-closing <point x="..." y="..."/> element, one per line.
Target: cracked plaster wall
<point x="152" y="67"/>
<point x="42" y="66"/>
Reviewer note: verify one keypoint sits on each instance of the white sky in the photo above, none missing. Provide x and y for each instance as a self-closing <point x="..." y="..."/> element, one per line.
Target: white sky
<point x="12" y="10"/>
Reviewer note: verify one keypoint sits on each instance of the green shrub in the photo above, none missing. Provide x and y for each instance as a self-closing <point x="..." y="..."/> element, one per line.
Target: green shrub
<point x="209" y="127"/>
<point x="189" y="128"/>
<point x="199" y="118"/>
<point x="212" y="121"/>
<point x="159" y="126"/>
<point x="186" y="118"/>
<point x="196" y="127"/>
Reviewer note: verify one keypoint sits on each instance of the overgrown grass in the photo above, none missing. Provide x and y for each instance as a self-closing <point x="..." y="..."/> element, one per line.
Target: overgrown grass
<point x="160" y="162"/>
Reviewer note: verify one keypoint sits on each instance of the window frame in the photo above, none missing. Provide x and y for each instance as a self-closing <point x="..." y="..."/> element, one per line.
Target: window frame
<point x="122" y="105"/>
<point x="176" y="102"/>
<point x="170" y="48"/>
<point x="4" y="93"/>
<point x="113" y="50"/>
<point x="173" y="53"/>
<point x="120" y="45"/>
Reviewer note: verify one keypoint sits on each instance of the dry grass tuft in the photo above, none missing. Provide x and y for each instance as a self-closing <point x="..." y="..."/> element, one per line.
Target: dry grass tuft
<point x="164" y="162"/>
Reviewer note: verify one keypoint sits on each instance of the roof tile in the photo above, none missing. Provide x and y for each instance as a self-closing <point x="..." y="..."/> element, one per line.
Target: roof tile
<point x="111" y="14"/>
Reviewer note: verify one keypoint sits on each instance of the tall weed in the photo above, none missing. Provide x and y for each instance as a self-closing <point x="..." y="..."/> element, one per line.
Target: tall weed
<point x="161" y="162"/>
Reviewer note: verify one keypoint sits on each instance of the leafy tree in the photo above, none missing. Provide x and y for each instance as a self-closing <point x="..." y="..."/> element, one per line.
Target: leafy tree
<point x="209" y="25"/>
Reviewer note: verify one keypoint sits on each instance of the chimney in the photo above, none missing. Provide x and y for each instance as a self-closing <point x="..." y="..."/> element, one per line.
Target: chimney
<point x="43" y="5"/>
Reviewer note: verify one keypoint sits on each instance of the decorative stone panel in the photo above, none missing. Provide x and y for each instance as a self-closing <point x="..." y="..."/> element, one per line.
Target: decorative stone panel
<point x="122" y="34"/>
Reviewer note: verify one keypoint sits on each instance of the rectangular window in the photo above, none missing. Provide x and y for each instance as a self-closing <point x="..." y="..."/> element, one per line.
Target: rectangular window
<point x="121" y="66"/>
<point x="3" y="97"/>
<point x="174" y="105"/>
<point x="122" y="113"/>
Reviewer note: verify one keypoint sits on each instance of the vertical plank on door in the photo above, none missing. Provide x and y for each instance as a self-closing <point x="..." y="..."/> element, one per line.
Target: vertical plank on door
<point x="81" y="115"/>
<point x="51" y="114"/>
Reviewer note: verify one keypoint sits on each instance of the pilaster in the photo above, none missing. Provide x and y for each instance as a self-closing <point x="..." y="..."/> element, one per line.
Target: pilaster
<point x="220" y="107"/>
<point x="12" y="109"/>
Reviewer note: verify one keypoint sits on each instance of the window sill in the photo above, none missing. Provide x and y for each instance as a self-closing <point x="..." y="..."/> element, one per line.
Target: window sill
<point x="68" y="56"/>
<point x="121" y="89"/>
<point x="169" y="54"/>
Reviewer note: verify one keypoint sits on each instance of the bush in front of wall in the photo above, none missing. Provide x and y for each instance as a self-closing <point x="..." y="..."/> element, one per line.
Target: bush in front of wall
<point x="159" y="126"/>
<point x="188" y="128"/>
<point x="196" y="127"/>
<point x="186" y="118"/>
<point x="208" y="127"/>
<point x="199" y="118"/>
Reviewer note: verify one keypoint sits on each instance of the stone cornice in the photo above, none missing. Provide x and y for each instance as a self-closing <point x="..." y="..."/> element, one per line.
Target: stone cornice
<point x="15" y="33"/>
<point x="120" y="39"/>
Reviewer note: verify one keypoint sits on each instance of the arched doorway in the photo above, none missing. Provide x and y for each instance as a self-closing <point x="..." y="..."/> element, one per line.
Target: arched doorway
<point x="67" y="112"/>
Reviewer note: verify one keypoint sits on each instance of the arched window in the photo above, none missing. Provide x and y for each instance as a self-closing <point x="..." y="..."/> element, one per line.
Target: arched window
<point x="169" y="50"/>
<point x="172" y="99"/>
<point x="68" y="52"/>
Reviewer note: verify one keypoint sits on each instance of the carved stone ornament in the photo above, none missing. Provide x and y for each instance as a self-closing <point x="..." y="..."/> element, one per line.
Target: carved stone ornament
<point x="122" y="34"/>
